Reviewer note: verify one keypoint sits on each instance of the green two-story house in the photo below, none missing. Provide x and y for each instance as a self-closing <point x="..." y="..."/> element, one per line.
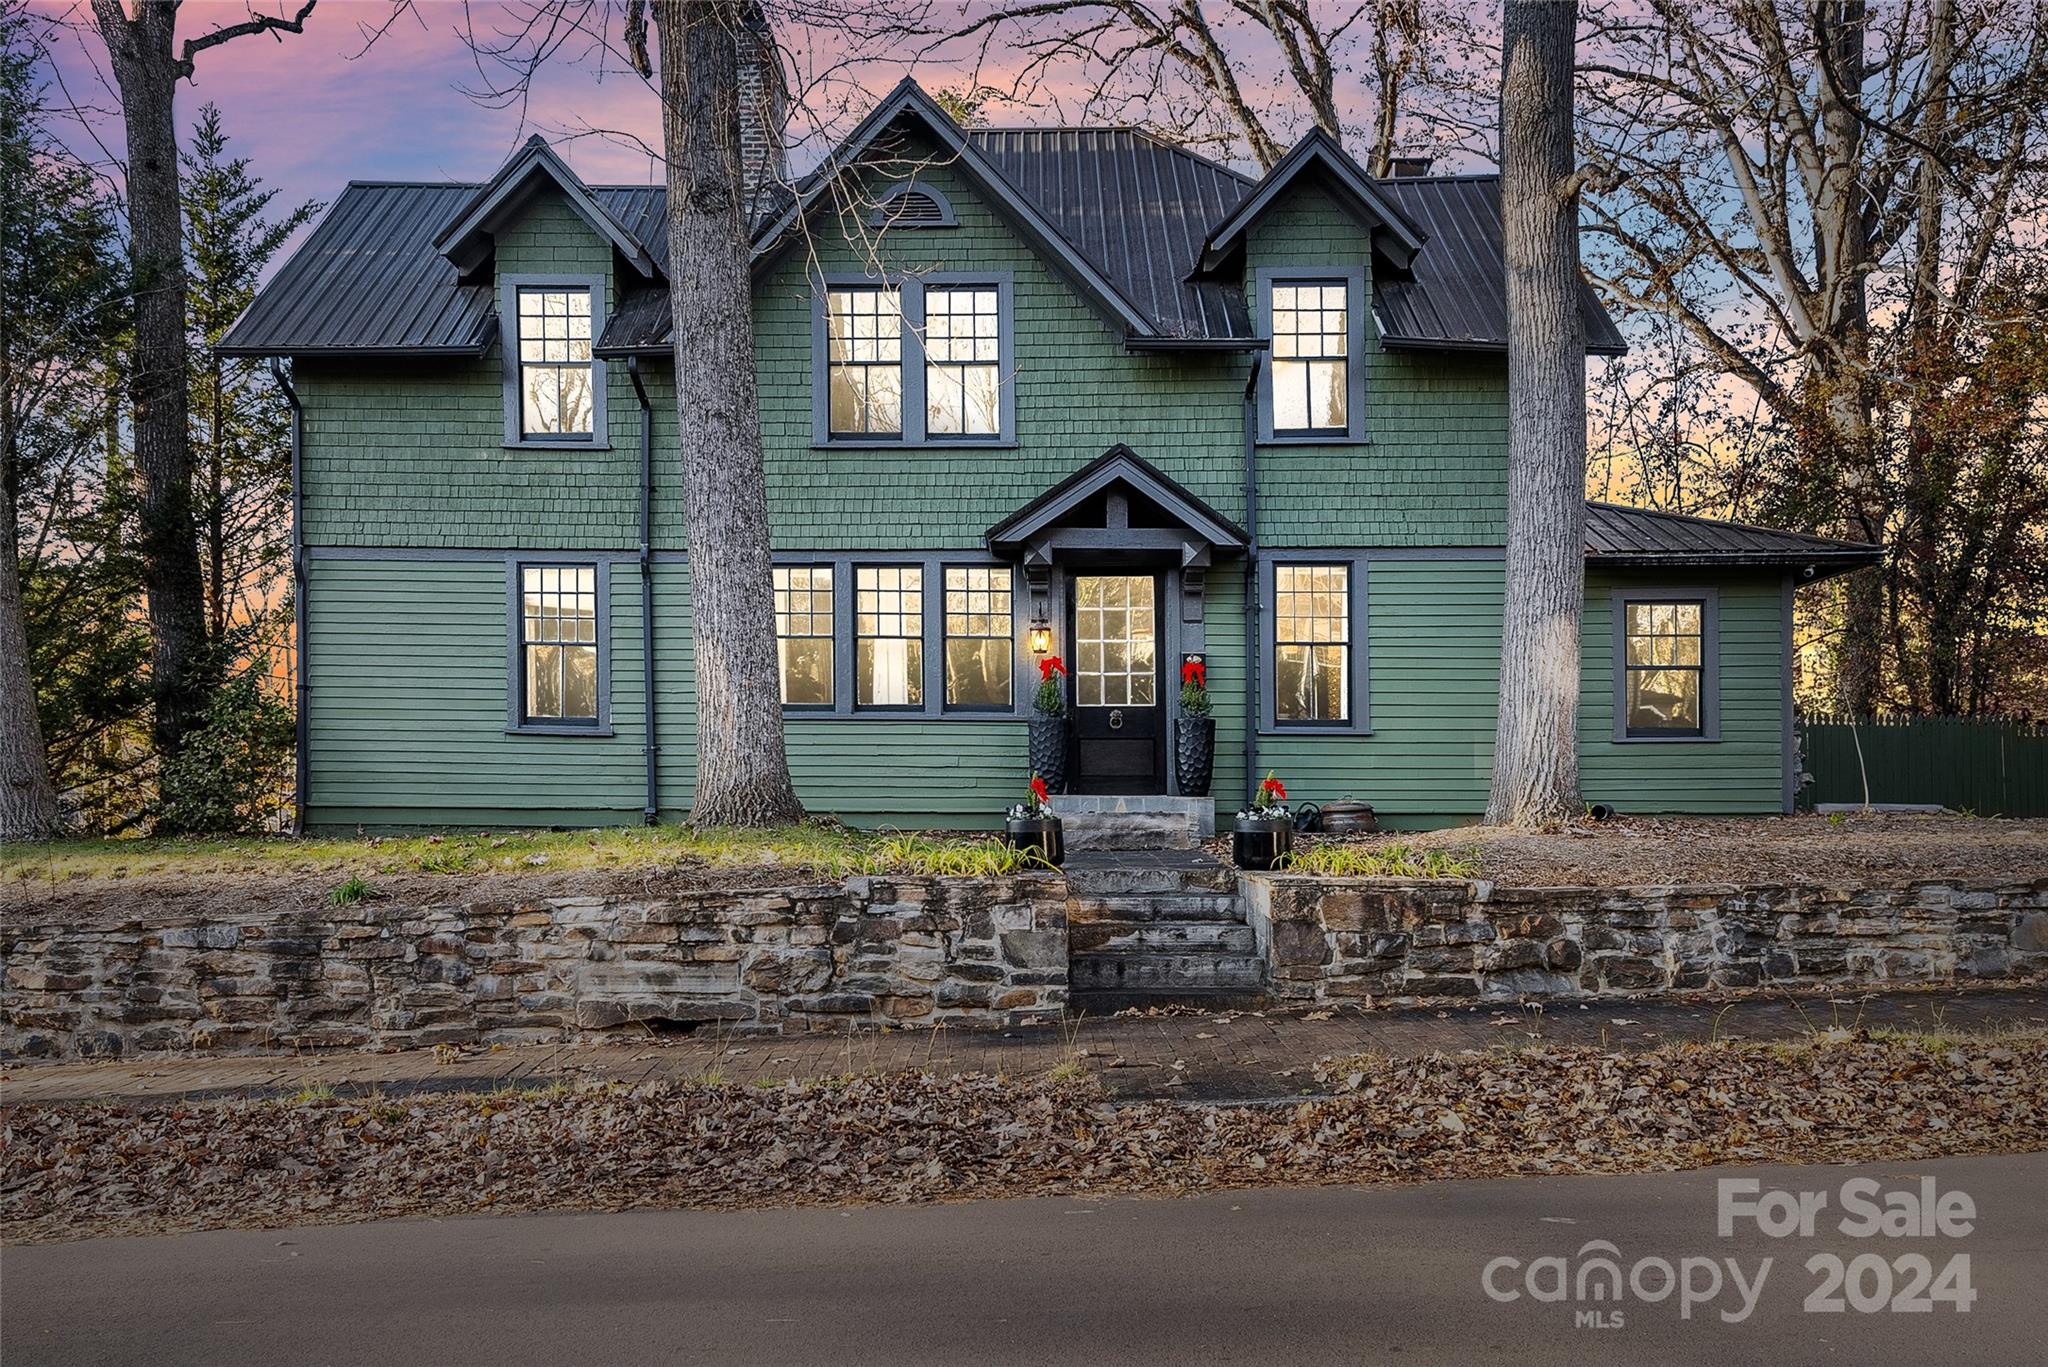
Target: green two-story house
<point x="1023" y="392"/>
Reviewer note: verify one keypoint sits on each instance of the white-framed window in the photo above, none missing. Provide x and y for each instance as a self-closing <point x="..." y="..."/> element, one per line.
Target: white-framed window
<point x="962" y="351"/>
<point x="1311" y="357"/>
<point x="556" y="392"/>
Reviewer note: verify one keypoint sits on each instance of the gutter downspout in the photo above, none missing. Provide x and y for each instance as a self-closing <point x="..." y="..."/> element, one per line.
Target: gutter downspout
<point x="651" y="748"/>
<point x="301" y="767"/>
<point x="1252" y="596"/>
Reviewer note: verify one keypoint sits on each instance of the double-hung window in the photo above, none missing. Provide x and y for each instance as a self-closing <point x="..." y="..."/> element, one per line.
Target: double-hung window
<point x="888" y="615"/>
<point x="914" y="360"/>
<point x="962" y="375"/>
<point x="556" y="400"/>
<point x="1311" y="388"/>
<point x="864" y="361"/>
<point x="558" y="646"/>
<point x="1664" y="683"/>
<point x="803" y="634"/>
<point x="980" y="653"/>
<point x="1312" y="644"/>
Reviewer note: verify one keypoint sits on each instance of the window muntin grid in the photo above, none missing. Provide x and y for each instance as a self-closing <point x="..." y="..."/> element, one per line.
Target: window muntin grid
<point x="980" y="656"/>
<point x="888" y="632"/>
<point x="1311" y="643"/>
<point x="803" y="634"/>
<point x="1311" y="365"/>
<point x="962" y="343"/>
<point x="1115" y="641"/>
<point x="1664" y="667"/>
<point x="555" y="393"/>
<point x="864" y="361"/>
<point x="558" y="642"/>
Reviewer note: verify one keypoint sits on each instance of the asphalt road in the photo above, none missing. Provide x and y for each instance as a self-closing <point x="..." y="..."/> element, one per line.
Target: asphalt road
<point x="1271" y="1276"/>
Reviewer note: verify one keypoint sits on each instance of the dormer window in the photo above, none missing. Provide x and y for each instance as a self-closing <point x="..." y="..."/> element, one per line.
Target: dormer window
<point x="554" y="385"/>
<point x="1312" y="387"/>
<point x="554" y="363"/>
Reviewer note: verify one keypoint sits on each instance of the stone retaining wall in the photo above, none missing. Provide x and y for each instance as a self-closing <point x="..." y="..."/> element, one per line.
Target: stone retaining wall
<point x="873" y="950"/>
<point x="1344" y="939"/>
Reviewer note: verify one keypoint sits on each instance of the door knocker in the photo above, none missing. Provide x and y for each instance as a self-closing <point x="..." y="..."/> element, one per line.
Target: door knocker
<point x="1116" y="718"/>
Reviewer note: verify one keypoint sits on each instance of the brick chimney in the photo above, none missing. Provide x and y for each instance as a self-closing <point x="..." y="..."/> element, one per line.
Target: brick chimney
<point x="764" y="101"/>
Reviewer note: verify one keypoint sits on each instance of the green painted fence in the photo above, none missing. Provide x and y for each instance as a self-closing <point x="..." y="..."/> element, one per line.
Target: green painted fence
<point x="1987" y="765"/>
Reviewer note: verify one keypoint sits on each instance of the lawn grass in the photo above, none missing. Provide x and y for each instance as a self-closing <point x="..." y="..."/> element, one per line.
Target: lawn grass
<point x="813" y="847"/>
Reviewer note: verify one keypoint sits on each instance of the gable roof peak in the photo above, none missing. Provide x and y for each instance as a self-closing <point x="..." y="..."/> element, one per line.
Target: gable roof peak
<point x="470" y="235"/>
<point x="1394" y="236"/>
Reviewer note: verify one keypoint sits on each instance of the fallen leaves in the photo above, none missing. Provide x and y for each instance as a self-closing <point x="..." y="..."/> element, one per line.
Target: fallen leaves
<point x="74" y="1171"/>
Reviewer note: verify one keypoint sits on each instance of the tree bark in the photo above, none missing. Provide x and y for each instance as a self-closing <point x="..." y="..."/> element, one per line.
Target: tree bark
<point x="742" y="764"/>
<point x="146" y="68"/>
<point x="1536" y="748"/>
<point x="28" y="800"/>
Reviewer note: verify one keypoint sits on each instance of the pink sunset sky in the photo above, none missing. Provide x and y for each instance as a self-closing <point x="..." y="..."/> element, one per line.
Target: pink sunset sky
<point x="315" y="110"/>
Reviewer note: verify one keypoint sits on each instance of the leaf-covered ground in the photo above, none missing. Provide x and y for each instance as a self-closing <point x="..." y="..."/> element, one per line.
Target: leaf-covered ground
<point x="79" y="1171"/>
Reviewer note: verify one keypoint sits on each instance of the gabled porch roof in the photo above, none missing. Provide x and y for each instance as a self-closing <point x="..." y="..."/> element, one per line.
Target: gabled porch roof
<point x="1067" y="517"/>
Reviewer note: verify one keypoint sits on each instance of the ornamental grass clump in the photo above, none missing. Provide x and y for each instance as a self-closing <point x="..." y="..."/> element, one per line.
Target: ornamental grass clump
<point x="1378" y="861"/>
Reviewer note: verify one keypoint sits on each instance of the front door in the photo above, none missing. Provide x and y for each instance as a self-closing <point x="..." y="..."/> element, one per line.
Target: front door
<point x="1119" y="726"/>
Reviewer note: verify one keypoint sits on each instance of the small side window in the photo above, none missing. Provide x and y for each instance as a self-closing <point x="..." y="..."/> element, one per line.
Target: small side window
<point x="1312" y="644"/>
<point x="559" y="646"/>
<point x="1664" y="668"/>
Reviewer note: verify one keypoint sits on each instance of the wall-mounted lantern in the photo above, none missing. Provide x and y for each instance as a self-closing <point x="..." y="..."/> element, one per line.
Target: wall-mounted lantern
<point x="1041" y="636"/>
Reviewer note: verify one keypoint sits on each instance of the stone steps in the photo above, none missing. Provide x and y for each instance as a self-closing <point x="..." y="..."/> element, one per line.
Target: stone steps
<point x="1164" y="973"/>
<point x="1087" y="831"/>
<point x="1204" y="905"/>
<point x="1169" y="937"/>
<point x="1090" y="880"/>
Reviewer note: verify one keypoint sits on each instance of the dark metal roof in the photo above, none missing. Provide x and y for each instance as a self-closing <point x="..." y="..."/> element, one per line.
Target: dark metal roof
<point x="368" y="281"/>
<point x="1456" y="295"/>
<point x="1139" y="209"/>
<point x="1644" y="537"/>
<point x="1394" y="238"/>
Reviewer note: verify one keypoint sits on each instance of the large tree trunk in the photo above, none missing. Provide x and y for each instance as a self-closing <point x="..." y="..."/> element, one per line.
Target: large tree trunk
<point x="28" y="800"/>
<point x="1536" y="749"/>
<point x="742" y="765"/>
<point x="147" y="71"/>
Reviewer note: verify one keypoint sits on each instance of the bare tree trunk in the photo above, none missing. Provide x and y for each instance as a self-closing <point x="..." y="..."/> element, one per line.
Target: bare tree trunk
<point x="742" y="765"/>
<point x="1536" y="749"/>
<point x="147" y="70"/>
<point x="28" y="800"/>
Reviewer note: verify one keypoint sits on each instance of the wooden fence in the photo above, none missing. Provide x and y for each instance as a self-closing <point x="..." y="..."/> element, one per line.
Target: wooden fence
<point x="1990" y="766"/>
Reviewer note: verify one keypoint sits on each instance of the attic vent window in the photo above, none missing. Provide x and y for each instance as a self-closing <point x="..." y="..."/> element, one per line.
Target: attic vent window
<point x="911" y="205"/>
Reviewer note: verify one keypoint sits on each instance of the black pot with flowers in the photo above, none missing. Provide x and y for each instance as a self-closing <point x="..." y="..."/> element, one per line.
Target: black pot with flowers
<point x="1049" y="726"/>
<point x="1032" y="827"/>
<point x="1264" y="832"/>
<point x="1194" y="732"/>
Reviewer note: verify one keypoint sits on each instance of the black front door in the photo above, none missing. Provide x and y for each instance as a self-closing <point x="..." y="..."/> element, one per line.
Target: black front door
<point x="1119" y="693"/>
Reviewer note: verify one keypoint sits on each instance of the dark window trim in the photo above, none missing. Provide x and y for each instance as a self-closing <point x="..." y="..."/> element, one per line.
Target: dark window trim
<point x="980" y="708"/>
<point x="923" y="637"/>
<point x="1356" y="300"/>
<point x="1709" y="599"/>
<point x="1360" y="565"/>
<point x="911" y="287"/>
<point x="845" y="660"/>
<point x="813" y="709"/>
<point x="879" y="216"/>
<point x="516" y="722"/>
<point x="508" y="347"/>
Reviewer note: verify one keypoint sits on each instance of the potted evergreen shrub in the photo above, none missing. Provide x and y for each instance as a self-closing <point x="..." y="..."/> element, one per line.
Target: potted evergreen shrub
<point x="1194" y="732"/>
<point x="1264" y="832"/>
<point x="1049" y="725"/>
<point x="1032" y="827"/>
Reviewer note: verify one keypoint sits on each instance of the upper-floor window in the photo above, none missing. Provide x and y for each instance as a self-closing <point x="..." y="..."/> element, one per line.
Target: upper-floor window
<point x="558" y="645"/>
<point x="803" y="634"/>
<point x="1311" y="388"/>
<point x="864" y="360"/>
<point x="555" y="389"/>
<point x="913" y="360"/>
<point x="1311" y="644"/>
<point x="962" y="378"/>
<point x="1664" y="668"/>
<point x="1311" y="361"/>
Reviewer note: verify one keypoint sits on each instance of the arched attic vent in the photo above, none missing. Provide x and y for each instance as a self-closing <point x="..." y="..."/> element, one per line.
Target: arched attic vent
<point x="909" y="204"/>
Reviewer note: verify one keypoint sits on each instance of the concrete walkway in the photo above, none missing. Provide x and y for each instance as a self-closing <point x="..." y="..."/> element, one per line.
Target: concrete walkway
<point x="1227" y="1056"/>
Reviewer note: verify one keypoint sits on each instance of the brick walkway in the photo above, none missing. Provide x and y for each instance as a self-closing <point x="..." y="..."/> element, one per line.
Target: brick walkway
<point x="1222" y="1057"/>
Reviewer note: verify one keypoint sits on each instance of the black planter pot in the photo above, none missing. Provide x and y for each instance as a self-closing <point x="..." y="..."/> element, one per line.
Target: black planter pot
<point x="1256" y="843"/>
<point x="1049" y="749"/>
<point x="1194" y="753"/>
<point x="1041" y="835"/>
